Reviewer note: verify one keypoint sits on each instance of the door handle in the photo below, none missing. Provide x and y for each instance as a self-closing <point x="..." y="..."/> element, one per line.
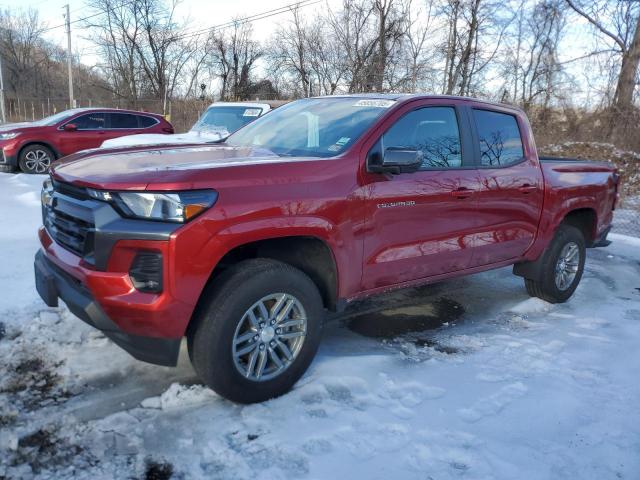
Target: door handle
<point x="526" y="188"/>
<point x="462" y="193"/>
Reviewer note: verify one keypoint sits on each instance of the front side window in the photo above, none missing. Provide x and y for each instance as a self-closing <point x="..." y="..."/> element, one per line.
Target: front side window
<point x="434" y="130"/>
<point x="90" y="121"/>
<point x="315" y="127"/>
<point x="499" y="136"/>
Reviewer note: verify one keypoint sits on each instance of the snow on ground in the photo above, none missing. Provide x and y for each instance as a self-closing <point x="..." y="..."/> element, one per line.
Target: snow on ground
<point x="468" y="378"/>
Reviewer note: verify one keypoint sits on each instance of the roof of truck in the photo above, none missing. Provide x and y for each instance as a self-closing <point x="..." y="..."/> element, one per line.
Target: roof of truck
<point x="411" y="96"/>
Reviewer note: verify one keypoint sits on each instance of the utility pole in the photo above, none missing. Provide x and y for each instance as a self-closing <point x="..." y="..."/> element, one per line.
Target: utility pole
<point x="2" y="112"/>
<point x="69" y="60"/>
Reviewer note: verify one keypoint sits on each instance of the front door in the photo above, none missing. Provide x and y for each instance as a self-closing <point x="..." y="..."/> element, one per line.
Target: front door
<point x="91" y="131"/>
<point x="420" y="224"/>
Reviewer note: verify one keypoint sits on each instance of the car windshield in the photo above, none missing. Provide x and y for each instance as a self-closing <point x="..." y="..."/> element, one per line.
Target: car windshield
<point x="226" y="118"/>
<point x="315" y="127"/>
<point x="57" y="117"/>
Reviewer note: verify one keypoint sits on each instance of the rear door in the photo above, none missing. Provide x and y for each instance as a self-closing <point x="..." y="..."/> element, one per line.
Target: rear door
<point x="419" y="224"/>
<point x="122" y="124"/>
<point x="510" y="191"/>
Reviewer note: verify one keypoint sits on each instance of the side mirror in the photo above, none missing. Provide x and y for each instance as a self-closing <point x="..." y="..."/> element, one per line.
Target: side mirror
<point x="70" y="127"/>
<point x="396" y="160"/>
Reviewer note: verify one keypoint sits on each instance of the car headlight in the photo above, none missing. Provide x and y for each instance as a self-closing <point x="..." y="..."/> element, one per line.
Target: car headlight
<point x="8" y="136"/>
<point x="46" y="194"/>
<point x="178" y="207"/>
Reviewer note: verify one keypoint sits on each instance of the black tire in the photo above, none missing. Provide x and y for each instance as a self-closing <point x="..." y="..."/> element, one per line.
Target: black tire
<point x="546" y="287"/>
<point x="36" y="158"/>
<point x="7" y="169"/>
<point x="225" y="303"/>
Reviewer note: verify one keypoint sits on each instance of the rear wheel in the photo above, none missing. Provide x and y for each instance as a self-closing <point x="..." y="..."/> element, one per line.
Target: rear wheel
<point x="258" y="331"/>
<point x="562" y="266"/>
<point x="36" y="159"/>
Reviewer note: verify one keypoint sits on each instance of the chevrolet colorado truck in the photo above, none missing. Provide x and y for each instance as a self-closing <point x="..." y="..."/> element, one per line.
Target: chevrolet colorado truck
<point x="242" y="246"/>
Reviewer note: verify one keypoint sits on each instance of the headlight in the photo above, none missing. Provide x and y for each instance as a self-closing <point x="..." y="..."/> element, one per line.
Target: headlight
<point x="8" y="136"/>
<point x="46" y="193"/>
<point x="179" y="207"/>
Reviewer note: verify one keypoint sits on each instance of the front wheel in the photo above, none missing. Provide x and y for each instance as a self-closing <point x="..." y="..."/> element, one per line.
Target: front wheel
<point x="258" y="331"/>
<point x="562" y="266"/>
<point x="36" y="159"/>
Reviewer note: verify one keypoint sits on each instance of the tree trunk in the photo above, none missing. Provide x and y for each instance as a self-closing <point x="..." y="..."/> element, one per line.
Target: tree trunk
<point x="623" y="99"/>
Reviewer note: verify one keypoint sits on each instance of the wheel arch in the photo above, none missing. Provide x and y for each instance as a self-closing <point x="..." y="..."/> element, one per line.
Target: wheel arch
<point x="584" y="219"/>
<point x="308" y="253"/>
<point x="31" y="143"/>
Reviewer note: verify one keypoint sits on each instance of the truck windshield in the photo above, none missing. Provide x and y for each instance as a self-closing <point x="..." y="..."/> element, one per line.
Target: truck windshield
<point x="226" y="118"/>
<point x="316" y="127"/>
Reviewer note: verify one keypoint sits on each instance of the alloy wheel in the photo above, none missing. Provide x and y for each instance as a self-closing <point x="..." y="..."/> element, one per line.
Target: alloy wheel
<point x="37" y="161"/>
<point x="567" y="266"/>
<point x="269" y="337"/>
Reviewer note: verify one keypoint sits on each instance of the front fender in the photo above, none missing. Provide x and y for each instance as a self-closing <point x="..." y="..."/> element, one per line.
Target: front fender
<point x="196" y="254"/>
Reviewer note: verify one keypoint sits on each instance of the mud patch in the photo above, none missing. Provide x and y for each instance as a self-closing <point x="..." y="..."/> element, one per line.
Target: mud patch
<point x="33" y="383"/>
<point x="402" y="320"/>
<point x="3" y="331"/>
<point x="438" y="347"/>
<point x="45" y="450"/>
<point x="158" y="470"/>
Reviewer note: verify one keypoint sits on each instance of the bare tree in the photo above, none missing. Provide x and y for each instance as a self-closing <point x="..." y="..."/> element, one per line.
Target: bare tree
<point x="531" y="68"/>
<point x="619" y="24"/>
<point x="352" y="27"/>
<point x="146" y="49"/>
<point x="232" y="56"/>
<point x="289" y="51"/>
<point x="23" y="49"/>
<point x="419" y="27"/>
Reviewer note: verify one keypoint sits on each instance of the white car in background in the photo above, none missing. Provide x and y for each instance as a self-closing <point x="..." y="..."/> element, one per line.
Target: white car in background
<point x="217" y="121"/>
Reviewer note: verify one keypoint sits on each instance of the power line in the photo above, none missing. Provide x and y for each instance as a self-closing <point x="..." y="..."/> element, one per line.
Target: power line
<point x="75" y="21"/>
<point x="250" y="18"/>
<point x="241" y="21"/>
<point x="83" y="18"/>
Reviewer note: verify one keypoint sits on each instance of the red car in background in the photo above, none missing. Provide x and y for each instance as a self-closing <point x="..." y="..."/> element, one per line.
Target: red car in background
<point x="32" y="146"/>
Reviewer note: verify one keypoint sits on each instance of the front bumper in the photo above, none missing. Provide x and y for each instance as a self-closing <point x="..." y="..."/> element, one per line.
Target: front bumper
<point x="9" y="150"/>
<point x="53" y="283"/>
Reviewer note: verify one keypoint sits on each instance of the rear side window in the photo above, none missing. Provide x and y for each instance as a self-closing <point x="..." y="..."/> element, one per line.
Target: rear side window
<point x="434" y="130"/>
<point x="500" y="141"/>
<point x="146" y="122"/>
<point x="123" y="120"/>
<point x="90" y="121"/>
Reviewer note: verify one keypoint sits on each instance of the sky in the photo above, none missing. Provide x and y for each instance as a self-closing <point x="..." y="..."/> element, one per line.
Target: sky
<point x="577" y="41"/>
<point x="203" y="14"/>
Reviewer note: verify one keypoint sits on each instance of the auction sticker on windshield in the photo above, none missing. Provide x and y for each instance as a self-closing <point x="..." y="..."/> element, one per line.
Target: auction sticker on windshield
<point x="252" y="112"/>
<point x="374" y="103"/>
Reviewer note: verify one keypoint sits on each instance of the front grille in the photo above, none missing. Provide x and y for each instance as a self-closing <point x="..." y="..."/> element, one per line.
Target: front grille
<point x="68" y="221"/>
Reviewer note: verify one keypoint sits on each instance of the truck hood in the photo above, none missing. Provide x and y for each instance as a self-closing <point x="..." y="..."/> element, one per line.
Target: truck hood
<point x="161" y="168"/>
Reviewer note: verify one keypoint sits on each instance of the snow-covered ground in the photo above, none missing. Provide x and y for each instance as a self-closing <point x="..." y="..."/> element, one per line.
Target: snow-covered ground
<point x="465" y="379"/>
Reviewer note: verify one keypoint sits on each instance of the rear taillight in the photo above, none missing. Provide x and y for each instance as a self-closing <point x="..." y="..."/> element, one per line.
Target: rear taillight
<point x="146" y="272"/>
<point x="616" y="183"/>
<point x="168" y="130"/>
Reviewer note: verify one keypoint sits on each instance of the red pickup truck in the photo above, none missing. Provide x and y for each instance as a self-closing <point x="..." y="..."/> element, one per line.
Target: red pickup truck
<point x="242" y="246"/>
